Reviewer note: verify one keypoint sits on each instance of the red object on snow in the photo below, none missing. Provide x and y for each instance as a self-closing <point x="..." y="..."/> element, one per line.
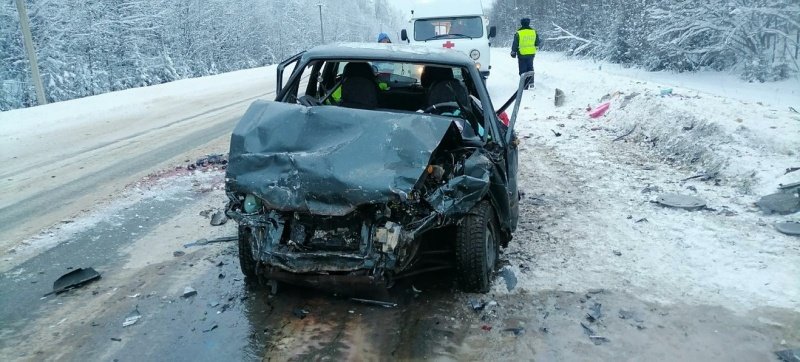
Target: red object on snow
<point x="486" y="327"/>
<point x="504" y="117"/>
<point x="600" y="110"/>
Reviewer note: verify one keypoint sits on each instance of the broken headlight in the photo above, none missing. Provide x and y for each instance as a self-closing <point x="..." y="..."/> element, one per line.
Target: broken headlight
<point x="251" y="204"/>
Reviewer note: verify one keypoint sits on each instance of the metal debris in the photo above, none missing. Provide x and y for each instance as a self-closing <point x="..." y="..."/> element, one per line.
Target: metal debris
<point x="132" y="318"/>
<point x="783" y="203"/>
<point x="789" y="227"/>
<point x="116" y="339"/>
<point x="210" y="329"/>
<point x="189" y="292"/>
<point x="74" y="279"/>
<point x="678" y="201"/>
<point x="375" y="302"/>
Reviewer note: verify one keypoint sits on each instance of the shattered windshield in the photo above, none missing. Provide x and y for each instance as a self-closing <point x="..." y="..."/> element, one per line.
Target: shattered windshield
<point x="448" y="28"/>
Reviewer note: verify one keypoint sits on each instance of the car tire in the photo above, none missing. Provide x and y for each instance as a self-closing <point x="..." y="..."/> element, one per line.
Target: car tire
<point x="477" y="249"/>
<point x="246" y="261"/>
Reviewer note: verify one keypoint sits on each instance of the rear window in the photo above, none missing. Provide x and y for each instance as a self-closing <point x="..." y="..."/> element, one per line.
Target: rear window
<point x="448" y="28"/>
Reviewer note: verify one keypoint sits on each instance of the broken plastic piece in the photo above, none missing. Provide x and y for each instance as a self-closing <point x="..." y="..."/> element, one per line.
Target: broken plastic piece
<point x="600" y="110"/>
<point x="477" y="305"/>
<point x="789" y="227"/>
<point x="518" y="331"/>
<point x="509" y="277"/>
<point x="189" y="292"/>
<point x="685" y="202"/>
<point x="594" y="313"/>
<point x="219" y="218"/>
<point x="783" y="203"/>
<point x="486" y="327"/>
<point x="76" y="278"/>
<point x="132" y="318"/>
<point x="666" y="91"/>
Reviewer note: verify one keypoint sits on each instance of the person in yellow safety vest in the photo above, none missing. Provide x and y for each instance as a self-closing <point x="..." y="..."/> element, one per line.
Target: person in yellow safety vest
<point x="526" y="41"/>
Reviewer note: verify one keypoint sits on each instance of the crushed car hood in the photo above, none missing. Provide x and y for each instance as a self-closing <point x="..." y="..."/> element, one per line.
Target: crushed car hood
<point x="328" y="160"/>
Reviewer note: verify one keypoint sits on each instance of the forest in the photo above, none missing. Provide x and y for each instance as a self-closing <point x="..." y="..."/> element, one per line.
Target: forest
<point x="91" y="47"/>
<point x="757" y="39"/>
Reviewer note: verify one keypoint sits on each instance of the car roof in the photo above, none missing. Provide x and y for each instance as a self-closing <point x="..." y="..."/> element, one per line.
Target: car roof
<point x="389" y="52"/>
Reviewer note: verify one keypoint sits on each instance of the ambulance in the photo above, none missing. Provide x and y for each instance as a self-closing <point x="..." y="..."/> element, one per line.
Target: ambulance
<point x="457" y="25"/>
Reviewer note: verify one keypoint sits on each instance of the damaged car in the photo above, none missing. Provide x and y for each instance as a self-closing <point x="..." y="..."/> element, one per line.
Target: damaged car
<point x="374" y="162"/>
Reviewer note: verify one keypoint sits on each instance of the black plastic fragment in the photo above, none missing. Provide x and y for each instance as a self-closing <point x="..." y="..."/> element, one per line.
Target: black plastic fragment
<point x="74" y="279"/>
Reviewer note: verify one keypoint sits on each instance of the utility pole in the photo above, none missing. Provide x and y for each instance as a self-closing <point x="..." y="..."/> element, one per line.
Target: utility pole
<point x="27" y="39"/>
<point x="321" y="29"/>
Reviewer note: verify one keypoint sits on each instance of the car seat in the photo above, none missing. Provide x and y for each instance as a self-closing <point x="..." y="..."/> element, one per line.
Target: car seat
<point x="359" y="89"/>
<point x="440" y="86"/>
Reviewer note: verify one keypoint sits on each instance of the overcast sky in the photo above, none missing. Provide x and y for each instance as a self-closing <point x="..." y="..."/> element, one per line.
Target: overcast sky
<point x="406" y="5"/>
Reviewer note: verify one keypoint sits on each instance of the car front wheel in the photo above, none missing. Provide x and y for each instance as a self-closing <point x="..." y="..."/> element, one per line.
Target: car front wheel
<point x="246" y="261"/>
<point x="477" y="249"/>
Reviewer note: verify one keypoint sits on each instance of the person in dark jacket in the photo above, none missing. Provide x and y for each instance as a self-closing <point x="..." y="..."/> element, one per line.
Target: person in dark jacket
<point x="526" y="41"/>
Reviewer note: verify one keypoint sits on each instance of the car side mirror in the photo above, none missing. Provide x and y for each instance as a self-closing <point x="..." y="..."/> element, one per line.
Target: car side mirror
<point x="403" y="35"/>
<point x="492" y="31"/>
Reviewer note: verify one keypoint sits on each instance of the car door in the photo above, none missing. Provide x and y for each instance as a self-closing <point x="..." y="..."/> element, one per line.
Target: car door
<point x="512" y="148"/>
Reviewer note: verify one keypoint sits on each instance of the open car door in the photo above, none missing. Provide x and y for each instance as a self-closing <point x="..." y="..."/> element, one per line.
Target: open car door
<point x="511" y="145"/>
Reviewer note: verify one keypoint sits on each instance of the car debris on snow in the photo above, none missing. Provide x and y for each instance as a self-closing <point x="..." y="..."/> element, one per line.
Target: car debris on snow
<point x="789" y="355"/>
<point x="209" y="160"/>
<point x="559" y="98"/>
<point x="679" y="201"/>
<point x="486" y="327"/>
<point x="132" y="318"/>
<point x="790" y="186"/>
<point x="74" y="279"/>
<point x="300" y="313"/>
<point x="477" y="305"/>
<point x="178" y="253"/>
<point x="211" y="329"/>
<point x="189" y="292"/>
<point x="518" y="331"/>
<point x="595" y="313"/>
<point x="375" y="302"/>
<point x="201" y="242"/>
<point x="218" y="218"/>
<point x="597" y="340"/>
<point x="508" y="275"/>
<point x="789" y="227"/>
<point x="783" y="203"/>
<point x="115" y="339"/>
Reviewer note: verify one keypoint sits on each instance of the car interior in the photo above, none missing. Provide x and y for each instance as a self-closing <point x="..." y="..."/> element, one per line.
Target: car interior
<point x="390" y="86"/>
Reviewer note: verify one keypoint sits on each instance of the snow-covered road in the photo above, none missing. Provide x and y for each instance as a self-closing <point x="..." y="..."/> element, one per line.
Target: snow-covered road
<point x="64" y="157"/>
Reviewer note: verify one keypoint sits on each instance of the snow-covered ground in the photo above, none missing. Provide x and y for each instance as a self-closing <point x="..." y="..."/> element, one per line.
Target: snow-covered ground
<point x="588" y="220"/>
